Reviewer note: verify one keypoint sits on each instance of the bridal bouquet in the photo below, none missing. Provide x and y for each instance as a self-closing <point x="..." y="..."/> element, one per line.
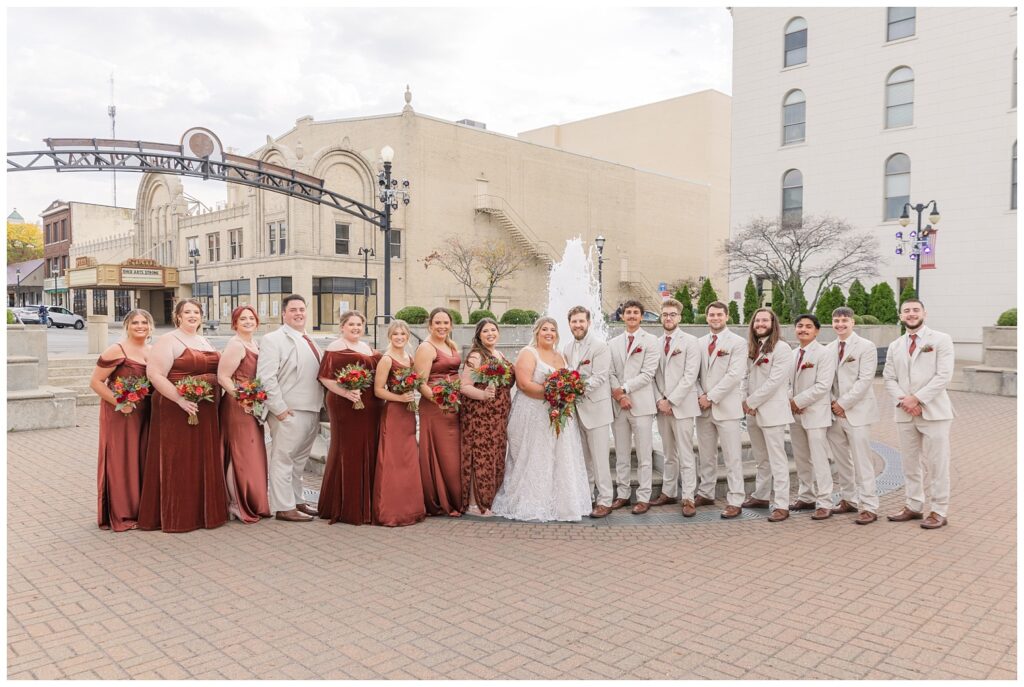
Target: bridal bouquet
<point x="251" y="395"/>
<point x="355" y="377"/>
<point x="194" y="389"/>
<point x="403" y="380"/>
<point x="447" y="395"/>
<point x="562" y="389"/>
<point x="128" y="391"/>
<point x="493" y="371"/>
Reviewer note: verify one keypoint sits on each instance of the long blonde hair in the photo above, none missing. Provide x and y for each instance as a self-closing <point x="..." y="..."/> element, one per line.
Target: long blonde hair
<point x="400" y="325"/>
<point x="139" y="311"/>
<point x="540" y="323"/>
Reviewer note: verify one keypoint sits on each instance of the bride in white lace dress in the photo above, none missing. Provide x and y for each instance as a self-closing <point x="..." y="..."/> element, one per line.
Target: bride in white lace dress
<point x="545" y="476"/>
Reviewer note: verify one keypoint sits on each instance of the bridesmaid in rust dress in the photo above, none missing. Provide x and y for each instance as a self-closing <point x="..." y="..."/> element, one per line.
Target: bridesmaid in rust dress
<point x="484" y="423"/>
<point x="245" y="453"/>
<point x="437" y="358"/>
<point x="124" y="433"/>
<point x="183" y="481"/>
<point x="397" y="488"/>
<point x="347" y="487"/>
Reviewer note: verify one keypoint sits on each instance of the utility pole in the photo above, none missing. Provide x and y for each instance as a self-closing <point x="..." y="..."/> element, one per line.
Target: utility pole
<point x="112" y="112"/>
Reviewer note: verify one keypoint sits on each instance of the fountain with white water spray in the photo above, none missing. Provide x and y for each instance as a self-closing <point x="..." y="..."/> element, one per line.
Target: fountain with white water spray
<point x="572" y="282"/>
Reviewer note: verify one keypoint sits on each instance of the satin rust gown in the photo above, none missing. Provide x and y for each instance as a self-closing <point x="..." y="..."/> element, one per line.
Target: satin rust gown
<point x="347" y="488"/>
<point x="245" y="453"/>
<point x="397" y="488"/>
<point x="440" y="444"/>
<point x="122" y="453"/>
<point x="183" y="485"/>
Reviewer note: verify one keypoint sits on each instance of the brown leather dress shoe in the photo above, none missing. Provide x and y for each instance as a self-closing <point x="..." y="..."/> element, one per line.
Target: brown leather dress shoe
<point x="801" y="505"/>
<point x="703" y="501"/>
<point x="821" y="514"/>
<point x="641" y="507"/>
<point x="689" y="510"/>
<point x="663" y="500"/>
<point x="844" y="507"/>
<point x="778" y="515"/>
<point x="865" y="517"/>
<point x="904" y="515"/>
<point x="751" y="502"/>
<point x="292" y="515"/>
<point x="619" y="503"/>
<point x="934" y="521"/>
<point x="307" y="509"/>
<point x="600" y="511"/>
<point x="731" y="512"/>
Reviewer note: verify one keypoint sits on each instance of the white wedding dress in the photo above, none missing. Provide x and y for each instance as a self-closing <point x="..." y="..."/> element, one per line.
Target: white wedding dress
<point x="545" y="476"/>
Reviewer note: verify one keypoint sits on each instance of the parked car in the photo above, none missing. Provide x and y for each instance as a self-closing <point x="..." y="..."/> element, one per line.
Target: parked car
<point x="58" y="317"/>
<point x="650" y="316"/>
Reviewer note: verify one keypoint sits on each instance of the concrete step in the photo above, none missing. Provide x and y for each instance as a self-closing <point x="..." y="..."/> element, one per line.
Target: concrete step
<point x="1001" y="356"/>
<point x="22" y="372"/>
<point x="74" y="361"/>
<point x="996" y="381"/>
<point x="43" y="408"/>
<point x="999" y="336"/>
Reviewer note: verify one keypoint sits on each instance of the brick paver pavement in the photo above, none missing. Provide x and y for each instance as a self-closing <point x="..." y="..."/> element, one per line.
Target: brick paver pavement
<point x="472" y="599"/>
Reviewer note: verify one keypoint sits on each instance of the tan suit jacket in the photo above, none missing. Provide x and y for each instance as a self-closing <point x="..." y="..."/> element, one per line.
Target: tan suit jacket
<point x="676" y="378"/>
<point x="722" y="375"/>
<point x="633" y="370"/>
<point x="595" y="410"/>
<point x="812" y="385"/>
<point x="768" y="386"/>
<point x="278" y="367"/>
<point x="855" y="375"/>
<point x="925" y="375"/>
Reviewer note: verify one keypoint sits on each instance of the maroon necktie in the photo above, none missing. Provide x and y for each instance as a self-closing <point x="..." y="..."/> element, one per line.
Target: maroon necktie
<point x="312" y="347"/>
<point x="800" y="360"/>
<point x="629" y="345"/>
<point x="668" y="340"/>
<point x="711" y="346"/>
<point x="913" y="344"/>
<point x="842" y="349"/>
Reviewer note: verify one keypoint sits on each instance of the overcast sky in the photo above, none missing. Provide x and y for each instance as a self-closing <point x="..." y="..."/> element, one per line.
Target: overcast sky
<point x="248" y="73"/>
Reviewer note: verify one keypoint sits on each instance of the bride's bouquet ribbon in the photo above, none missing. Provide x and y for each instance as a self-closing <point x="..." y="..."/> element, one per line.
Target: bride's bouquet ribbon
<point x="562" y="389"/>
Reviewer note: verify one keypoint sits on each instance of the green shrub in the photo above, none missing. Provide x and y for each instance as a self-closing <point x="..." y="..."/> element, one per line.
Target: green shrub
<point x="516" y="316"/>
<point x="456" y="315"/>
<point x="751" y="301"/>
<point x="683" y="296"/>
<point x="706" y="298"/>
<point x="533" y="315"/>
<point x="478" y="315"/>
<point x="734" y="313"/>
<point x="780" y="306"/>
<point x="882" y="303"/>
<point x="868" y="319"/>
<point x="700" y="319"/>
<point x="412" y="314"/>
<point x="11" y="319"/>
<point x="1007" y="319"/>
<point x="858" y="300"/>
<point x="908" y="292"/>
<point x="829" y="301"/>
<point x="858" y="319"/>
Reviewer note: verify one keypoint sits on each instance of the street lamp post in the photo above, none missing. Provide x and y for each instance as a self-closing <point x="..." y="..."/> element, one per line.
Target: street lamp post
<point x="389" y="195"/>
<point x="599" y="242"/>
<point x="17" y="289"/>
<point x="193" y="255"/>
<point x="917" y="242"/>
<point x="367" y="253"/>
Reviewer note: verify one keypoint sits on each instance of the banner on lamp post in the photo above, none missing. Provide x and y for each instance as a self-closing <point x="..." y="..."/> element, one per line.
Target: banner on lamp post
<point x="928" y="259"/>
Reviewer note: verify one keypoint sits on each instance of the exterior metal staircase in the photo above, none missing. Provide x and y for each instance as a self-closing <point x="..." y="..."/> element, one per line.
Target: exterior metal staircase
<point x="518" y="230"/>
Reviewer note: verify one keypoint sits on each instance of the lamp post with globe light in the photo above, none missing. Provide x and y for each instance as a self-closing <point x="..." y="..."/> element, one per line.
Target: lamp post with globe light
<point x="389" y="196"/>
<point x="917" y="241"/>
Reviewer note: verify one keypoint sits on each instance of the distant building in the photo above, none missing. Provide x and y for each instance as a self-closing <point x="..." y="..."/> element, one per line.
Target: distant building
<point x="24" y="280"/>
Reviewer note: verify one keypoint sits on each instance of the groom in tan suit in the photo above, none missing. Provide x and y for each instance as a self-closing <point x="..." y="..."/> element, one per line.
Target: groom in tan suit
<point x="287" y="366"/>
<point x="918" y="368"/>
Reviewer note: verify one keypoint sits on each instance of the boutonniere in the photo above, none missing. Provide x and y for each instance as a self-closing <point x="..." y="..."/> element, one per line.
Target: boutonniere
<point x="675" y="353"/>
<point x="638" y="349"/>
<point x="762" y="361"/>
<point x="722" y="354"/>
<point x="849" y="359"/>
<point x="927" y="348"/>
<point x="807" y="366"/>
<point x="584" y="362"/>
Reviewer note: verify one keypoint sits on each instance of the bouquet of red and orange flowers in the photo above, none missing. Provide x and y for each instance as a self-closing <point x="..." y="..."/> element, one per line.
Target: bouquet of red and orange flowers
<point x="494" y="371"/>
<point x="403" y="380"/>
<point x="194" y="389"/>
<point x="447" y="395"/>
<point x="562" y="389"/>
<point x="355" y="377"/>
<point x="129" y="391"/>
<point x="251" y="395"/>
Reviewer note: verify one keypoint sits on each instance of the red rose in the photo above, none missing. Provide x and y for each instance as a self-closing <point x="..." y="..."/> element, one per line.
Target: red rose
<point x="133" y="397"/>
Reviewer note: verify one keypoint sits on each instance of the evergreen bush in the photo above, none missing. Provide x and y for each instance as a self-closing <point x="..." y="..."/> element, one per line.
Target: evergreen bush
<point x="706" y="298"/>
<point x="882" y="303"/>
<point x="751" y="301"/>
<point x="734" y="313"/>
<point x="478" y="315"/>
<point x="412" y="314"/>
<point x="683" y="296"/>
<point x="858" y="299"/>
<point x="1007" y="319"/>
<point x="515" y="316"/>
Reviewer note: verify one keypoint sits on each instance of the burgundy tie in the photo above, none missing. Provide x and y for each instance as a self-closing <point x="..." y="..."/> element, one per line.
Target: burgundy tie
<point x="629" y="345"/>
<point x="800" y="360"/>
<point x="668" y="340"/>
<point x="842" y="349"/>
<point x="312" y="347"/>
<point x="711" y="346"/>
<point x="913" y="344"/>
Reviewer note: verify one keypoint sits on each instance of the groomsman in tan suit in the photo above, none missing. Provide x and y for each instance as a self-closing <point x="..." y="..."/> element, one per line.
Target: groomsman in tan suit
<point x="634" y="363"/>
<point x="676" y="389"/>
<point x="288" y="366"/>
<point x="723" y="367"/>
<point x="813" y="372"/>
<point x="918" y="368"/>
<point x="594" y="411"/>
<point x="769" y="369"/>
<point x="855" y="410"/>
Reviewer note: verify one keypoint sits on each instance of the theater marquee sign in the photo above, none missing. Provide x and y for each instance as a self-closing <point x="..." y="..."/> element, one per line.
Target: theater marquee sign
<point x="133" y="273"/>
<point x="144" y="276"/>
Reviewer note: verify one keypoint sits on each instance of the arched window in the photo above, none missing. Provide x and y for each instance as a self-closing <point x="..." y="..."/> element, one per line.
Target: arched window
<point x="796" y="42"/>
<point x="901" y="21"/>
<point x="792" y="196"/>
<point x="1013" y="179"/>
<point x="794" y="117"/>
<point x="897" y="185"/>
<point x="899" y="98"/>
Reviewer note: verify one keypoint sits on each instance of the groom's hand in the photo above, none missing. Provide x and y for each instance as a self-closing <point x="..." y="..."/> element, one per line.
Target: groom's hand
<point x="283" y="416"/>
<point x="624" y="402"/>
<point x="703" y="402"/>
<point x="664" y="407"/>
<point x="618" y="393"/>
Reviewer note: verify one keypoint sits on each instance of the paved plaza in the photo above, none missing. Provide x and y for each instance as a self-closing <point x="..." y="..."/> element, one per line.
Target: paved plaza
<point x="472" y="598"/>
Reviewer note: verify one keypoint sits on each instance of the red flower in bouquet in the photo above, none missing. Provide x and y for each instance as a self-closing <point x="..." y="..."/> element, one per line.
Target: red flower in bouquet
<point x="251" y="395"/>
<point x="447" y="395"/>
<point x="562" y="389"/>
<point x="194" y="389"/>
<point x="495" y="372"/>
<point x="128" y="391"/>
<point x="355" y="377"/>
<point x="402" y="380"/>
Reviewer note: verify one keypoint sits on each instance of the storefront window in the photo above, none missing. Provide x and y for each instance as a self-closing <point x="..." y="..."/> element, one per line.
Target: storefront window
<point x="122" y="303"/>
<point x="269" y="292"/>
<point x="334" y="295"/>
<point x="79" y="302"/>
<point x="232" y="294"/>
<point x="99" y="301"/>
<point x="203" y="292"/>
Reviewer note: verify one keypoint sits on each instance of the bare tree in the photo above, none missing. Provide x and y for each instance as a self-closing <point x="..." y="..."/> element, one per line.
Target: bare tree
<point x="820" y="249"/>
<point x="479" y="269"/>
